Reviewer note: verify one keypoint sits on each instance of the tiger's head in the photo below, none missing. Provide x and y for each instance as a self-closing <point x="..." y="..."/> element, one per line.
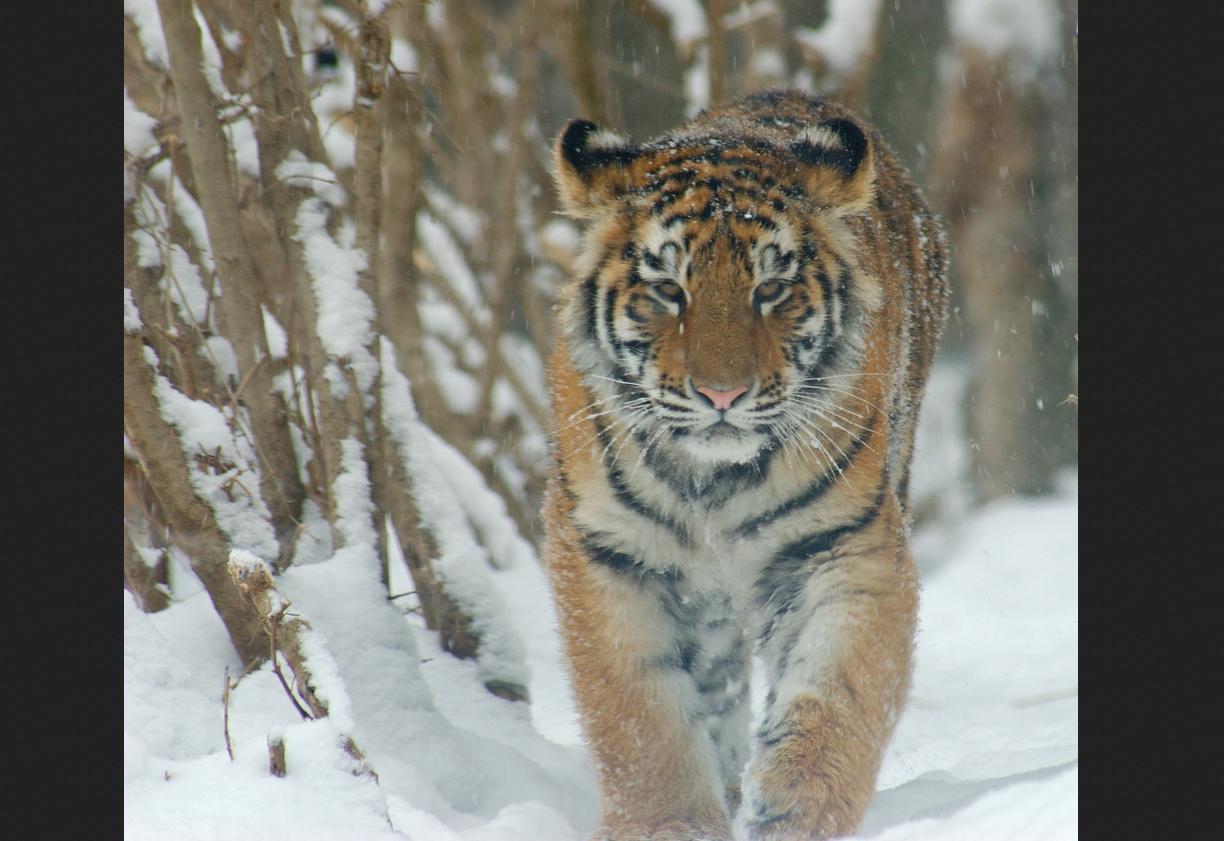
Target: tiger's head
<point x="719" y="291"/>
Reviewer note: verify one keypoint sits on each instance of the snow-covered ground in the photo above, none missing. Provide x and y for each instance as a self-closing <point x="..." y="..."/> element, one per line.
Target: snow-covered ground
<point x="987" y="748"/>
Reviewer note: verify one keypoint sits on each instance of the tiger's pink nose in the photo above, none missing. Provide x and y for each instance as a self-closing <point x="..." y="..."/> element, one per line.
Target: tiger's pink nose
<point x="722" y="399"/>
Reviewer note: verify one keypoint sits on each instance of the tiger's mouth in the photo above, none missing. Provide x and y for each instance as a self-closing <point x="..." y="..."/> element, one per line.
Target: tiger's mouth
<point x="722" y="441"/>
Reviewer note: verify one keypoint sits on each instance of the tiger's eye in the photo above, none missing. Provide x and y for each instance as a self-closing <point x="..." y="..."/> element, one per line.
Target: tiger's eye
<point x="670" y="290"/>
<point x="768" y="291"/>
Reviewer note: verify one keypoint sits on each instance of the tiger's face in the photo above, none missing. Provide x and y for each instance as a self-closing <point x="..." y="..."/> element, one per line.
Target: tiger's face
<point x="718" y="304"/>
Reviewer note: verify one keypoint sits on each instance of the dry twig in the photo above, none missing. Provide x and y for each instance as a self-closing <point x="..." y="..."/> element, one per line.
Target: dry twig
<point x="276" y="756"/>
<point x="225" y="697"/>
<point x="255" y="583"/>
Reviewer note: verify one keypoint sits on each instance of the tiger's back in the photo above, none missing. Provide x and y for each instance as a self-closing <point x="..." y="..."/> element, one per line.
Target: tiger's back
<point x="742" y="356"/>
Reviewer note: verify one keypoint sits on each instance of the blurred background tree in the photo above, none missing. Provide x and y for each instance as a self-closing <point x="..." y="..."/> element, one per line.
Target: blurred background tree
<point x="323" y="198"/>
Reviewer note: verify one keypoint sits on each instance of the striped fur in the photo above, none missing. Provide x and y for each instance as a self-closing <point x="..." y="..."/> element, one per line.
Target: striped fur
<point x="772" y="243"/>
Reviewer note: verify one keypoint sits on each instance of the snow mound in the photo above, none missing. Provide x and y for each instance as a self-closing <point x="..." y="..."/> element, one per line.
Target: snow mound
<point x="987" y="748"/>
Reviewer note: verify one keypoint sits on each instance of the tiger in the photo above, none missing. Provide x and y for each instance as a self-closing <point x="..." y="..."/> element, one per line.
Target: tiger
<point x="739" y="364"/>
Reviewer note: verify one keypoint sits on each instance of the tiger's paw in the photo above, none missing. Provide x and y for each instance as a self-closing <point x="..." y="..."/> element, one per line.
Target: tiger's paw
<point x="790" y="826"/>
<point x="677" y="830"/>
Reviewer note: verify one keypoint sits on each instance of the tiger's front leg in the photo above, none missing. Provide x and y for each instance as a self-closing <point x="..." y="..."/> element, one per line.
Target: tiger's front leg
<point x="632" y="673"/>
<point x="837" y="645"/>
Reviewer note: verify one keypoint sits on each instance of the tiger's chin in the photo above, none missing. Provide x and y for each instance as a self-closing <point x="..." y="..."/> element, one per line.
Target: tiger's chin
<point x="723" y="443"/>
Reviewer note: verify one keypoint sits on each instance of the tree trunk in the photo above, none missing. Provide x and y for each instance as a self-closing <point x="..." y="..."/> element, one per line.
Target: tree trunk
<point x="987" y="169"/>
<point x="280" y="487"/>
<point x="398" y="282"/>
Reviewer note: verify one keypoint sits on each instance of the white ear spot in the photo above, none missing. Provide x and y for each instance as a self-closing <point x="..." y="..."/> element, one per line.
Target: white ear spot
<point x="821" y="137"/>
<point x="605" y="139"/>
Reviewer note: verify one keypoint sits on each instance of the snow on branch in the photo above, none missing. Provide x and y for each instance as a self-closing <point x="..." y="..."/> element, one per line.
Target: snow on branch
<point x="686" y="22"/>
<point x="697" y="82"/>
<point x="688" y="25"/>
<point x="844" y="39"/>
<point x="450" y="265"/>
<point x="746" y="14"/>
<point x="345" y="315"/>
<point x="1025" y="28"/>
<point x="354" y="511"/>
<point x="839" y="55"/>
<point x="297" y="171"/>
<point x="212" y="58"/>
<point x="186" y="210"/>
<point x="484" y="509"/>
<point x="138" y="137"/>
<point x="462" y="562"/>
<point x="131" y="315"/>
<point x="181" y="280"/>
<point x="143" y="13"/>
<point x="221" y="468"/>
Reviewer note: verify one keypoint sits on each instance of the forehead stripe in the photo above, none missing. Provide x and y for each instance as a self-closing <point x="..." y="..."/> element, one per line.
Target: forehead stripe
<point x="589" y="294"/>
<point x="610" y="319"/>
<point x="843" y="292"/>
<point x="652" y="261"/>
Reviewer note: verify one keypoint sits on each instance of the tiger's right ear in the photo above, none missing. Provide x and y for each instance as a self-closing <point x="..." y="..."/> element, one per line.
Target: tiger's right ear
<point x="590" y="167"/>
<point x="837" y="164"/>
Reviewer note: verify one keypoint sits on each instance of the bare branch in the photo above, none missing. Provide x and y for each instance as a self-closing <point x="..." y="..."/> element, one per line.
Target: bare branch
<point x="215" y="182"/>
<point x="225" y="697"/>
<point x="717" y="41"/>
<point x="192" y="522"/>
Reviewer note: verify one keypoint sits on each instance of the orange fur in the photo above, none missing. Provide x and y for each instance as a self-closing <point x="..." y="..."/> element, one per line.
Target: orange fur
<point x="774" y="243"/>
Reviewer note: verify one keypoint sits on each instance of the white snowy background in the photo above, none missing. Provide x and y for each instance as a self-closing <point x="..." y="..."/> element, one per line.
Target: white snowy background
<point x="987" y="748"/>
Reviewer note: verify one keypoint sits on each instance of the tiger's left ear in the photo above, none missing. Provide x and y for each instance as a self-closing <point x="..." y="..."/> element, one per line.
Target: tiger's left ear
<point x="590" y="167"/>
<point x="837" y="165"/>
